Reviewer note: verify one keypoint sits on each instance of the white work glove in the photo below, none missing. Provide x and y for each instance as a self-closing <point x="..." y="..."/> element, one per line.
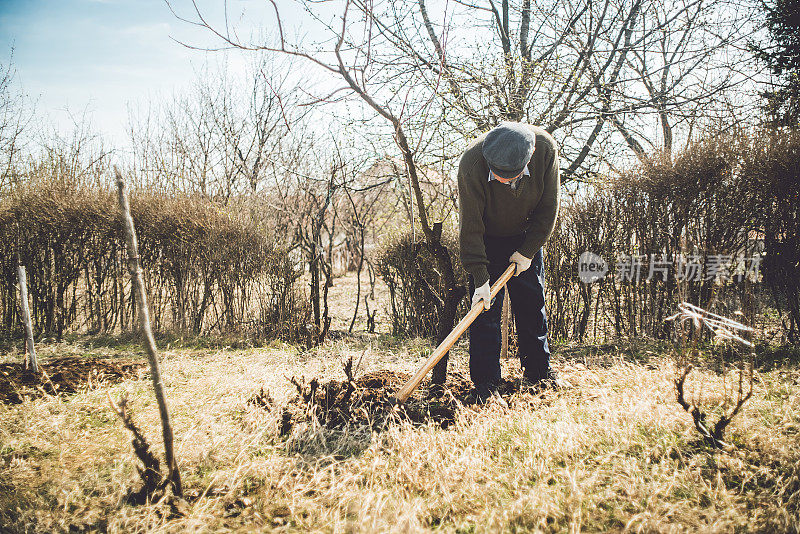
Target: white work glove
<point x="482" y="294"/>
<point x="522" y="263"/>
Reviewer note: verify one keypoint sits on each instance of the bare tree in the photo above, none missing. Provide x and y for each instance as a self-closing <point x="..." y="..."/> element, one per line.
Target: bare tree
<point x="361" y="213"/>
<point x="14" y="118"/>
<point x="222" y="138"/>
<point x="585" y="70"/>
<point x="438" y="78"/>
<point x="12" y="125"/>
<point x="173" y="476"/>
<point x="312" y="213"/>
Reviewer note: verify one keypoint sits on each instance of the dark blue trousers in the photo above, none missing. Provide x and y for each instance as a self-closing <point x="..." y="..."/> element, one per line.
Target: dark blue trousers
<point x="527" y="303"/>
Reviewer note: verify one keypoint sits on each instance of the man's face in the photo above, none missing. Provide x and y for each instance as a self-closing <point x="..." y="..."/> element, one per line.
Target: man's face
<point x="506" y="180"/>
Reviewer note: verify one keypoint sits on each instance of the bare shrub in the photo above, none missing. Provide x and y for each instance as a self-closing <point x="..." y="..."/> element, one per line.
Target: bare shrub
<point x="64" y="235"/>
<point x="586" y="223"/>
<point x="409" y="270"/>
<point x="207" y="268"/>
<point x="772" y="164"/>
<point x="699" y="203"/>
<point x="737" y="375"/>
<point x="282" y="310"/>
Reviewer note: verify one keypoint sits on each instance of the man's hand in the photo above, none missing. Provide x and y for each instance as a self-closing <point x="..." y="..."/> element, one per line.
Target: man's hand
<point x="522" y="263"/>
<point x="482" y="294"/>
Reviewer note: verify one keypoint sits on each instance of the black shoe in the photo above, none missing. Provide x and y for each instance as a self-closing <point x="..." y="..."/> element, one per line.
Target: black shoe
<point x="435" y="390"/>
<point x="537" y="383"/>
<point x="529" y="385"/>
<point x="480" y="396"/>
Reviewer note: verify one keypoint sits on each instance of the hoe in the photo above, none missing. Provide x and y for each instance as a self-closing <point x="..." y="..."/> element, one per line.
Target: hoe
<point x="450" y="340"/>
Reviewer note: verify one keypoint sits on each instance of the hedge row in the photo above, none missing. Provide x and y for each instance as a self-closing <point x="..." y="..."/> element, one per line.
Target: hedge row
<point x="206" y="269"/>
<point x="725" y="196"/>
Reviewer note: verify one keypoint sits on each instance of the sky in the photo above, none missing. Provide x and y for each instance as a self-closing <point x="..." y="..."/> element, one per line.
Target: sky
<point x="98" y="57"/>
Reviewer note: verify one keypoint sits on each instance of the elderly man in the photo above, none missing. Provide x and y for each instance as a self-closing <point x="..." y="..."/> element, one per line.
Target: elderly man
<point x="508" y="186"/>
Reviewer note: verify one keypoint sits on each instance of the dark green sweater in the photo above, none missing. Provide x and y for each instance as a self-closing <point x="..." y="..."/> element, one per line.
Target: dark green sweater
<point x="494" y="209"/>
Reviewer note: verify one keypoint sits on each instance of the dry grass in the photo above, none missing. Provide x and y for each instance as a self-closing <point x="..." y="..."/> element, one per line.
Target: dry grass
<point x="614" y="453"/>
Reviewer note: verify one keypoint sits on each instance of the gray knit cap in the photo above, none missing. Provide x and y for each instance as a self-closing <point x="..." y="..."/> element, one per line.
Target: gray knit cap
<point x="508" y="148"/>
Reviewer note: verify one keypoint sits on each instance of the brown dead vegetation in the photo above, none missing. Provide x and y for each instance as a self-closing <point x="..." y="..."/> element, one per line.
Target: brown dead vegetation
<point x="369" y="401"/>
<point x="63" y="375"/>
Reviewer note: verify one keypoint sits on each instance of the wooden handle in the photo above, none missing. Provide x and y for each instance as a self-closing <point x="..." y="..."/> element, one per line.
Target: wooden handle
<point x="406" y="391"/>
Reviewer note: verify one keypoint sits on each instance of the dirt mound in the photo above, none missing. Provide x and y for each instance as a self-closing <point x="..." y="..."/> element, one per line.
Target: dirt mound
<point x="62" y="375"/>
<point x="369" y="401"/>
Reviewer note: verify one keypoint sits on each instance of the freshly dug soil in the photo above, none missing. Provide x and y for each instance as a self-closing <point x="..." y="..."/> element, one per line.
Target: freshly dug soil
<point x="63" y="375"/>
<point x="369" y="401"/>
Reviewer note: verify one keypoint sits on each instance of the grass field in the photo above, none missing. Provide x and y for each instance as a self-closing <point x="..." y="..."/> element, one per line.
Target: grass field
<point x="613" y="453"/>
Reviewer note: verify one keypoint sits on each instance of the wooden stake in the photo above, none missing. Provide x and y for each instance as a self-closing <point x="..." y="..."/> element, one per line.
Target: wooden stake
<point x="450" y="340"/>
<point x="144" y="322"/>
<point x="33" y="363"/>
<point x="505" y="316"/>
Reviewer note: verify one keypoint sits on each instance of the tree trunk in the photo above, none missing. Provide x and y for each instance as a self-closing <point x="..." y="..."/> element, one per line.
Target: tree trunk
<point x="149" y="341"/>
<point x="358" y="276"/>
<point x="313" y="268"/>
<point x="453" y="293"/>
